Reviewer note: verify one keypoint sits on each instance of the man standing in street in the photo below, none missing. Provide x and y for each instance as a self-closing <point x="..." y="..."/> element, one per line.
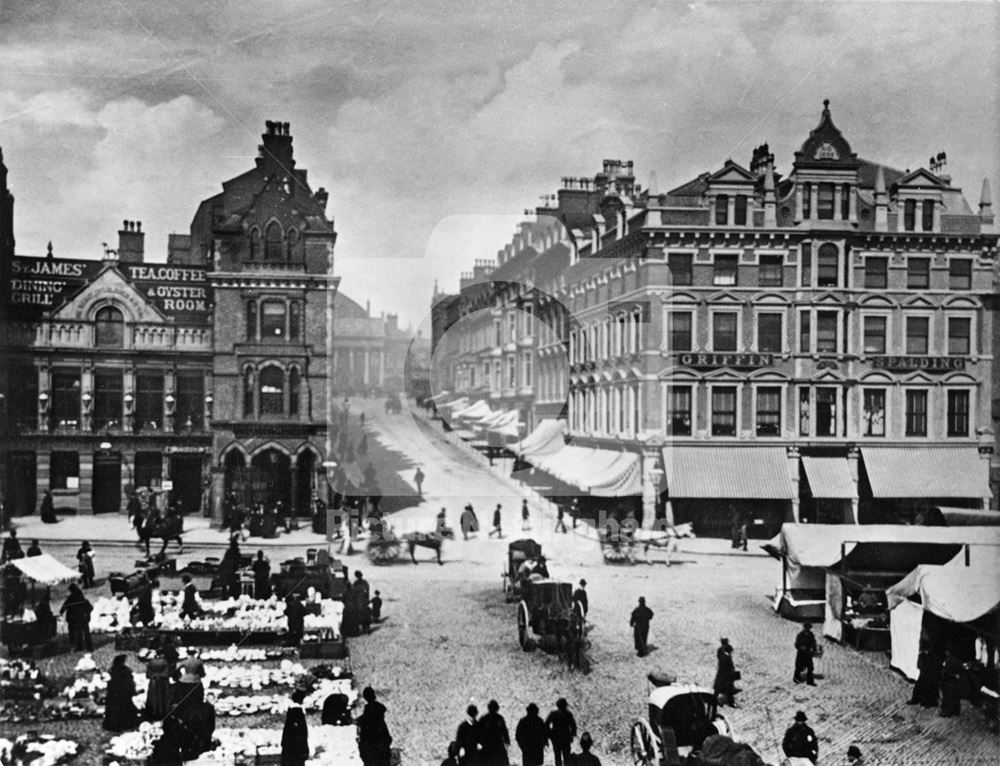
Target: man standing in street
<point x="641" y="617"/>
<point x="496" y="524"/>
<point x="418" y="479"/>
<point x="467" y="738"/>
<point x="805" y="648"/>
<point x="560" y="523"/>
<point x="493" y="737"/>
<point x="562" y="731"/>
<point x="525" y="515"/>
<point x="800" y="741"/>
<point x="532" y="736"/>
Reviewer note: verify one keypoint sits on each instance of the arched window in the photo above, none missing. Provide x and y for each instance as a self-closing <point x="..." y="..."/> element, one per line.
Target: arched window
<point x="272" y="242"/>
<point x="293" y="241"/>
<point x="110" y="325"/>
<point x="271" y="398"/>
<point x="248" y="390"/>
<point x="293" y="391"/>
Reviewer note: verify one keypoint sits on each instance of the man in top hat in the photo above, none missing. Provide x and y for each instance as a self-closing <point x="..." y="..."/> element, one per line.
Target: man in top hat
<point x="805" y="648"/>
<point x="800" y="741"/>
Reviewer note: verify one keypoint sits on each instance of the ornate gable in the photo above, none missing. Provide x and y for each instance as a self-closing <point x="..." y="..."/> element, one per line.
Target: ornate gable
<point x="109" y="288"/>
<point x="921" y="178"/>
<point x="826" y="146"/>
<point x="730" y="173"/>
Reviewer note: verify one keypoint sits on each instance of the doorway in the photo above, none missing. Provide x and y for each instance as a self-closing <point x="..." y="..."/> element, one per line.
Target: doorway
<point x="185" y="473"/>
<point x="22" y="495"/>
<point x="270" y="478"/>
<point x="106" y="489"/>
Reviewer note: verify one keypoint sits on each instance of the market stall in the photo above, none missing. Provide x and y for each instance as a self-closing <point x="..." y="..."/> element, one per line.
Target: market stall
<point x="21" y="626"/>
<point x="963" y="592"/>
<point x="806" y="551"/>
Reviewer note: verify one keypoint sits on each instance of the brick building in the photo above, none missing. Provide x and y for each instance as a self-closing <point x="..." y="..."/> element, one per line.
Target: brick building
<point x="815" y="346"/>
<point x="209" y="372"/>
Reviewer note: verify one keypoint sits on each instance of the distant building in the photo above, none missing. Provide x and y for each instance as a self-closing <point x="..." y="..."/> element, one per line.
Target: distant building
<point x="814" y="347"/>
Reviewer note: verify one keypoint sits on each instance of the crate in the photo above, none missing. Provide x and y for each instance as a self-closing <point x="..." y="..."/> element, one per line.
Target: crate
<point x="323" y="650"/>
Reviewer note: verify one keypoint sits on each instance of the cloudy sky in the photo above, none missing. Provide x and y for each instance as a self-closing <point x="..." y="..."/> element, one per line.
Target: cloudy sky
<point x="434" y="124"/>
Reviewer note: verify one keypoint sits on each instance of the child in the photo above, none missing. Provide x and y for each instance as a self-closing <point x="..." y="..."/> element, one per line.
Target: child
<point x="376" y="607"/>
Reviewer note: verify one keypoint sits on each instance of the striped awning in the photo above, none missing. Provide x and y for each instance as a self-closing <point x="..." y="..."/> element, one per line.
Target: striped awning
<point x="547" y="437"/>
<point x="599" y="472"/>
<point x="829" y="478"/>
<point x="927" y="472"/>
<point x="738" y="473"/>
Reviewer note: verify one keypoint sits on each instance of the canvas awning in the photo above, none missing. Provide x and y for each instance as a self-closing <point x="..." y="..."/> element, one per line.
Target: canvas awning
<point x="954" y="591"/>
<point x="473" y="411"/>
<point x="969" y="517"/>
<point x="455" y="404"/>
<point x="748" y="473"/>
<point x="45" y="569"/>
<point x="829" y="478"/>
<point x="599" y="472"/>
<point x="548" y="437"/>
<point x="438" y="398"/>
<point x="926" y="472"/>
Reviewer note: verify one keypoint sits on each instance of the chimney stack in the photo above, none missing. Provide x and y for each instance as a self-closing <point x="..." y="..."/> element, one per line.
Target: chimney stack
<point x="881" y="202"/>
<point x="321" y="196"/>
<point x="770" y="197"/>
<point x="986" y="208"/>
<point x="276" y="151"/>
<point x="131" y="242"/>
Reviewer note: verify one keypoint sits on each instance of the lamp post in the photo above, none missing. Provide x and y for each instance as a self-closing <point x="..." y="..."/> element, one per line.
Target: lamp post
<point x="43" y="410"/>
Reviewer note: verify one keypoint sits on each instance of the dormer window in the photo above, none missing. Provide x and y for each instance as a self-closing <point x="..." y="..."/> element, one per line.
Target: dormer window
<point x="827" y="152"/>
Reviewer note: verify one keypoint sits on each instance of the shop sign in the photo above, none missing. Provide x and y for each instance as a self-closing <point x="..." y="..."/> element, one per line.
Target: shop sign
<point x="733" y="361"/>
<point x="41" y="284"/>
<point x="921" y="363"/>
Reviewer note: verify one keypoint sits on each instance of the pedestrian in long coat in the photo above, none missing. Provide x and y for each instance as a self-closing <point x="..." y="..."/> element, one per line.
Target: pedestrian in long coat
<point x="261" y="576"/>
<point x="48" y="509"/>
<point x="725" y="674"/>
<point x="497" y="529"/>
<point x="470" y="523"/>
<point x="120" y="713"/>
<point x="805" y="648"/>
<point x="580" y="597"/>
<point x="144" y="602"/>
<point x="467" y="738"/>
<point x="641" y="617"/>
<point x="532" y="736"/>
<point x="374" y="738"/>
<point x="85" y="555"/>
<point x="296" y="614"/>
<point x="562" y="731"/>
<point x="493" y="737"/>
<point x="418" y="479"/>
<point x="12" y="547"/>
<point x="295" y="735"/>
<point x="525" y="516"/>
<point x="928" y="685"/>
<point x="158" y="693"/>
<point x="190" y="606"/>
<point x="77" y="609"/>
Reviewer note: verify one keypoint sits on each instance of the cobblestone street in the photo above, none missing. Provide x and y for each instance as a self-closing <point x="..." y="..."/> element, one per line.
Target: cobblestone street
<point x="449" y="637"/>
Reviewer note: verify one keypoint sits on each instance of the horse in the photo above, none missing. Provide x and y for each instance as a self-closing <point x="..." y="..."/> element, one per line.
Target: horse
<point x="167" y="529"/>
<point x="432" y="540"/>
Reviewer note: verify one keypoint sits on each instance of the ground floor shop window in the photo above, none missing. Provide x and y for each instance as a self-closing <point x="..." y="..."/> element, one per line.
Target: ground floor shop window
<point x="64" y="470"/>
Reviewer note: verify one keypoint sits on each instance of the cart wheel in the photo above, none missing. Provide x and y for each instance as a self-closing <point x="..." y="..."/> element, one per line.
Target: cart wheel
<point x="508" y="588"/>
<point x="522" y="626"/>
<point x="384" y="554"/>
<point x="723" y="726"/>
<point x="645" y="751"/>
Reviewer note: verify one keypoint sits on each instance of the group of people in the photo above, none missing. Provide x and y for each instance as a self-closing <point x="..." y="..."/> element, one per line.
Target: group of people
<point x="361" y="608"/>
<point x="374" y="739"/>
<point x="259" y="520"/>
<point x="484" y="741"/>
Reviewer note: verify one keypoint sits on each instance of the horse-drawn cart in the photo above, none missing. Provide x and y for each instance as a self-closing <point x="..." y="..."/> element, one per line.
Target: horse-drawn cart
<point x="547" y="616"/>
<point x="523" y="557"/>
<point x="385" y="547"/>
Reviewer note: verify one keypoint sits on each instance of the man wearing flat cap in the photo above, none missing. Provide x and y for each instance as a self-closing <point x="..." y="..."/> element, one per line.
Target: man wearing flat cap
<point x="800" y="741"/>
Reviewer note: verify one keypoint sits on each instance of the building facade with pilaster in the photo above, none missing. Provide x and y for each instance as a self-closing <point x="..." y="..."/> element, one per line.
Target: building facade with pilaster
<point x="815" y="346"/>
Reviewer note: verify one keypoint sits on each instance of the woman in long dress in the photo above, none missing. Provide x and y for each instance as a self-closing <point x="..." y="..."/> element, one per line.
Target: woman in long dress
<point x="158" y="694"/>
<point x="120" y="713"/>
